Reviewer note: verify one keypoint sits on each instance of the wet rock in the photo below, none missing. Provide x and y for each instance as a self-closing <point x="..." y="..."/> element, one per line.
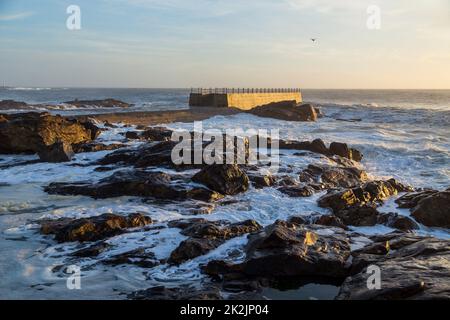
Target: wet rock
<point x="359" y="215"/>
<point x="147" y="155"/>
<point x="132" y="135"/>
<point x="157" y="134"/>
<point x="338" y="200"/>
<point x="95" y="147"/>
<point x="139" y="257"/>
<point x="287" y="250"/>
<point x="332" y="176"/>
<point x="369" y="193"/>
<point x="205" y="236"/>
<point x="297" y="191"/>
<point x="394" y="220"/>
<point x="261" y="181"/>
<point x="92" y="228"/>
<point x="179" y="293"/>
<point x="434" y="210"/>
<point x="135" y="183"/>
<point x="298" y="220"/>
<point x="410" y="200"/>
<point x="227" y="179"/>
<point x="286" y="110"/>
<point x="330" y="220"/>
<point x="192" y="248"/>
<point x="414" y="268"/>
<point x="92" y="250"/>
<point x="105" y="103"/>
<point x="318" y="146"/>
<point x="342" y="149"/>
<point x="33" y="132"/>
<point x="13" y="105"/>
<point x="57" y="152"/>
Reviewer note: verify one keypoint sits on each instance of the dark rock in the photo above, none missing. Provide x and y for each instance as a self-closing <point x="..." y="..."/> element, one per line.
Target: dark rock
<point x="338" y="200"/>
<point x="332" y="176"/>
<point x="342" y="149"/>
<point x="33" y="132"/>
<point x="13" y="105"/>
<point x="369" y="193"/>
<point x="206" y="236"/>
<point x="297" y="191"/>
<point x="434" y="210"/>
<point x="92" y="250"/>
<point x="192" y="248"/>
<point x="298" y="220"/>
<point x="410" y="200"/>
<point x="287" y="250"/>
<point x="105" y="103"/>
<point x="330" y="220"/>
<point x="147" y="155"/>
<point x="261" y="181"/>
<point x="132" y="135"/>
<point x="135" y="183"/>
<point x="95" y="147"/>
<point x="140" y="257"/>
<point x="394" y="220"/>
<point x="179" y="293"/>
<point x="157" y="134"/>
<point x="226" y="179"/>
<point x="92" y="228"/>
<point x="318" y="146"/>
<point x="57" y="152"/>
<point x="416" y="268"/>
<point x="286" y="110"/>
<point x="359" y="215"/>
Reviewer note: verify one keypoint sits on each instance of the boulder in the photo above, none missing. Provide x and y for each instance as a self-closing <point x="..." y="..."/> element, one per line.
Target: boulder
<point x="412" y="267"/>
<point x="205" y="236"/>
<point x="92" y="228"/>
<point x="342" y="149"/>
<point x="104" y="103"/>
<point x="33" y="132"/>
<point x="396" y="221"/>
<point x="434" y="210"/>
<point x="13" y="105"/>
<point x="261" y="181"/>
<point x="57" y="152"/>
<point x="411" y="199"/>
<point x="227" y="179"/>
<point x="95" y="147"/>
<point x="286" y="110"/>
<point x="359" y="215"/>
<point x="318" y="146"/>
<point x="137" y="183"/>
<point x="369" y="193"/>
<point x="182" y="292"/>
<point x="288" y="250"/>
<point x="140" y="257"/>
<point x="297" y="191"/>
<point x="333" y="176"/>
<point x="330" y="220"/>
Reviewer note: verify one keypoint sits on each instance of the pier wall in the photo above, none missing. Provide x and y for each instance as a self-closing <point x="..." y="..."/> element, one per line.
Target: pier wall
<point x="244" y="101"/>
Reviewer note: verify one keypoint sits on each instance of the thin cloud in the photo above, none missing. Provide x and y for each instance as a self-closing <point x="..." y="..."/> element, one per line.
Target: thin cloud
<point x="16" y="16"/>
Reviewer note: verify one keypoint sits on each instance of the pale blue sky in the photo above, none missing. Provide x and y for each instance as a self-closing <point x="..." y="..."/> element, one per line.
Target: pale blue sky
<point x="241" y="43"/>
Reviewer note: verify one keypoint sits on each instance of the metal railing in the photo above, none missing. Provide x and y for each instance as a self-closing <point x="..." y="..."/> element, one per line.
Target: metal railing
<point x="242" y="90"/>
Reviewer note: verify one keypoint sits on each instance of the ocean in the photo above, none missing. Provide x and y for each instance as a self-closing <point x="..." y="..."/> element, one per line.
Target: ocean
<point x="403" y="134"/>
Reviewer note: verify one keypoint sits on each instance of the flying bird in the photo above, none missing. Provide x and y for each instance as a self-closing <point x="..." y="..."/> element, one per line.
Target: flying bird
<point x="313" y="39"/>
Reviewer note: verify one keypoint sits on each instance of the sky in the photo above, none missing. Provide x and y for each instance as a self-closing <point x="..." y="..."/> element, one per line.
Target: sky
<point x="226" y="43"/>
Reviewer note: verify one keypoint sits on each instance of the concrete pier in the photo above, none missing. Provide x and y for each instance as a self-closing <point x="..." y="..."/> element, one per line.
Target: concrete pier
<point x="244" y="99"/>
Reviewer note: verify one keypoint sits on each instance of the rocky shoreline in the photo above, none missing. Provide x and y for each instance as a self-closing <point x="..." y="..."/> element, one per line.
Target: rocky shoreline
<point x="313" y="248"/>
